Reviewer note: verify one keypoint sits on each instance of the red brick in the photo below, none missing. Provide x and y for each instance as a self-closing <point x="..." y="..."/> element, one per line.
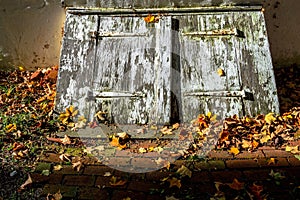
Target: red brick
<point x="124" y="153"/>
<point x="97" y="170"/>
<point x="55" y="178"/>
<point x="102" y="181"/>
<point x="50" y="157"/>
<point x="241" y="163"/>
<point x="248" y="155"/>
<point x="226" y="176"/>
<point x="155" y="196"/>
<point x="210" y="165"/>
<point x="199" y="177"/>
<point x="66" y="191"/>
<point x="277" y="154"/>
<point x="144" y="163"/>
<point x="293" y="172"/>
<point x="38" y="178"/>
<point x="219" y="155"/>
<point x="294" y="161"/>
<point x="92" y="193"/>
<point x="79" y="180"/>
<point x="157" y="175"/>
<point x="142" y="186"/>
<point x="117" y="195"/>
<point x="279" y="162"/>
<point x="257" y="174"/>
<point x="118" y="161"/>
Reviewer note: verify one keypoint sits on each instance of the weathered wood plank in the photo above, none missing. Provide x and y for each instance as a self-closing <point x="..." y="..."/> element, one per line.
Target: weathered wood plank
<point x="131" y="64"/>
<point x="76" y="64"/>
<point x="254" y="58"/>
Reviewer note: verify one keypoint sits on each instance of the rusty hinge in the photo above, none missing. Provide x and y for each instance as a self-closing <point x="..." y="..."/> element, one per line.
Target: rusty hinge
<point x="96" y="34"/>
<point x="219" y="32"/>
<point x="242" y="93"/>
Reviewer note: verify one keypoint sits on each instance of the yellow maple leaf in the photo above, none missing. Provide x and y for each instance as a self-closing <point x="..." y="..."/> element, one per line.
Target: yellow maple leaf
<point x="142" y="150"/>
<point x="174" y="182"/>
<point x="236" y="185"/>
<point x="234" y="151"/>
<point x="70" y="112"/>
<point x="246" y="144"/>
<point x="265" y="139"/>
<point x="269" y="118"/>
<point x="57" y="167"/>
<point x="292" y="149"/>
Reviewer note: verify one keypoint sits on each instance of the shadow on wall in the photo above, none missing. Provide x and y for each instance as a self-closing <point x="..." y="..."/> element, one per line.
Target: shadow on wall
<point x="31" y="33"/>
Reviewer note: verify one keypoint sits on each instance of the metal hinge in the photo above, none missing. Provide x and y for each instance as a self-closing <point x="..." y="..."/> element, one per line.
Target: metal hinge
<point x="96" y="34"/>
<point x="244" y="94"/>
<point x="120" y="95"/>
<point x="219" y="32"/>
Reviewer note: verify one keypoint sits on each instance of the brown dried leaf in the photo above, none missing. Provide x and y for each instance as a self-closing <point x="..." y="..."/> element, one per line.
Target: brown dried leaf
<point x="236" y="185"/>
<point x="27" y="182"/>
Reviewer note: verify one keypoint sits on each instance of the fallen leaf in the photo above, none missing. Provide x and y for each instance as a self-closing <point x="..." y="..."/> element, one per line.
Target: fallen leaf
<point x="234" y="151"/>
<point x="175" y="126"/>
<point x="56" y="196"/>
<point x="271" y="161"/>
<point x="256" y="190"/>
<point x="46" y="172"/>
<point x="265" y="139"/>
<point x="142" y="150"/>
<point x="292" y="149"/>
<point x="114" y="181"/>
<point x="174" y="182"/>
<point x="276" y="175"/>
<point x="77" y="165"/>
<point x="66" y="140"/>
<point x="27" y="182"/>
<point x="221" y="72"/>
<point x="166" y="131"/>
<point x="151" y="18"/>
<point x="57" y="167"/>
<point x="184" y="171"/>
<point x="101" y="116"/>
<point x="171" y="198"/>
<point x="107" y="174"/>
<point x="67" y="116"/>
<point x="297" y="156"/>
<point x="269" y="118"/>
<point x="65" y="157"/>
<point x="236" y="185"/>
<point x="10" y="128"/>
<point x="17" y="146"/>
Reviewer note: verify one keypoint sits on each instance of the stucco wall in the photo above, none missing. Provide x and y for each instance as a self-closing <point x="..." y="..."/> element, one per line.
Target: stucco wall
<point x="31" y="32"/>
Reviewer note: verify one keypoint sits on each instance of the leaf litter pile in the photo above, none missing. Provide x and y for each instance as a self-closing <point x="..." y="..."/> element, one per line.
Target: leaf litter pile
<point x="29" y="127"/>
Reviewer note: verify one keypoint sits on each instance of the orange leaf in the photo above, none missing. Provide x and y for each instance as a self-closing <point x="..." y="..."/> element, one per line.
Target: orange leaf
<point x="234" y="150"/>
<point x="236" y="185"/>
<point x="150" y="19"/>
<point x="271" y="161"/>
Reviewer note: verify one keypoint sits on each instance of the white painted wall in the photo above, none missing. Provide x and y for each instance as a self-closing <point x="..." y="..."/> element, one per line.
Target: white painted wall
<point x="31" y="32"/>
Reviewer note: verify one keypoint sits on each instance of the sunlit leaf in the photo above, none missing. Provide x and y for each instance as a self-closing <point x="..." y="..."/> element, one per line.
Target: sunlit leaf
<point x="151" y="18"/>
<point x="10" y="128"/>
<point x="142" y="150"/>
<point x="66" y="140"/>
<point x="184" y="171"/>
<point x="221" y="72"/>
<point x="265" y="139"/>
<point x="292" y="149"/>
<point x="234" y="151"/>
<point x="269" y="118"/>
<point x="57" y="167"/>
<point x="77" y="165"/>
<point x="27" y="182"/>
<point x="271" y="161"/>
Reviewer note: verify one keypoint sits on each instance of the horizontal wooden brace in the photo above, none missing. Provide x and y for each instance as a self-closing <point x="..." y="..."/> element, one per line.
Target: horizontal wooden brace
<point x="95" y="34"/>
<point x="170" y="11"/>
<point x="219" y="32"/>
<point x="241" y="93"/>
